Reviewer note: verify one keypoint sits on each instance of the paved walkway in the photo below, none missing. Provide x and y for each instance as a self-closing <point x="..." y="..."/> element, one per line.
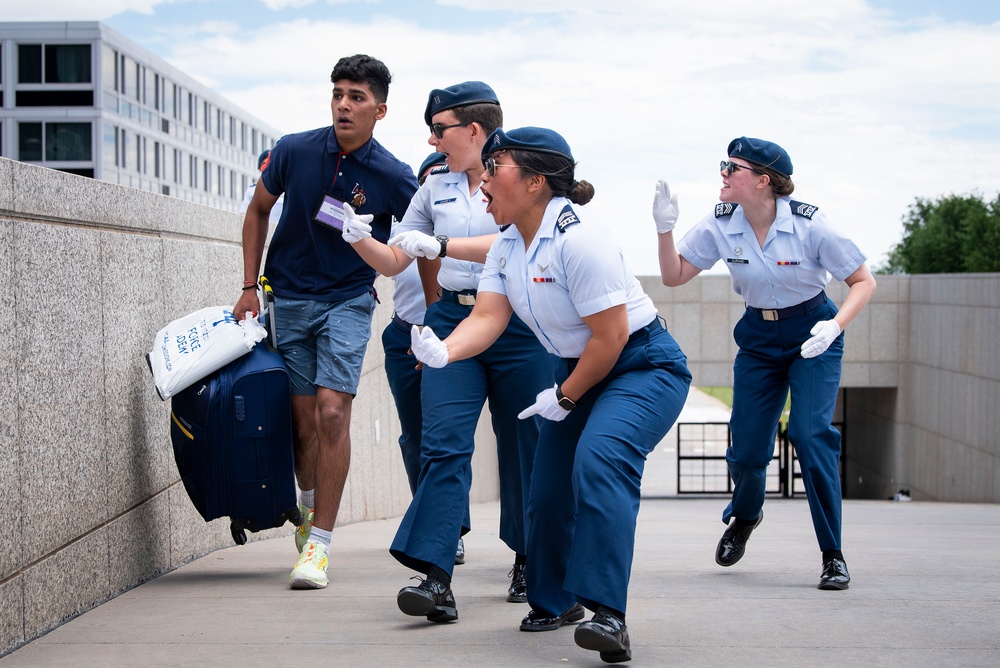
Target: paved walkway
<point x="925" y="592"/>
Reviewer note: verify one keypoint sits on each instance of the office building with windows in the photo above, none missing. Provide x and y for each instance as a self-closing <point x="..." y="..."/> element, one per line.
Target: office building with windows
<point x="81" y="98"/>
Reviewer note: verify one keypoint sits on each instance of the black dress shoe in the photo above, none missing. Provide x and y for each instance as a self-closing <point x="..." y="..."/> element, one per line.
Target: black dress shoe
<point x="538" y="621"/>
<point x="835" y="575"/>
<point x="606" y="634"/>
<point x="460" y="553"/>
<point x="518" y="592"/>
<point x="430" y="599"/>
<point x="734" y="541"/>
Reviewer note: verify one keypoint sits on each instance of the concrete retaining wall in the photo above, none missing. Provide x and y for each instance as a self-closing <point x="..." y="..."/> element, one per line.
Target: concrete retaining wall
<point x="92" y="503"/>
<point x="921" y="374"/>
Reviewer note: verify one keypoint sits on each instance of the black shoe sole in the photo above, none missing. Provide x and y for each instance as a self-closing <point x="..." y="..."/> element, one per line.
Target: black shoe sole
<point x="833" y="586"/>
<point x="611" y="650"/>
<point x="415" y="604"/>
<point x="517" y="598"/>
<point x="574" y="614"/>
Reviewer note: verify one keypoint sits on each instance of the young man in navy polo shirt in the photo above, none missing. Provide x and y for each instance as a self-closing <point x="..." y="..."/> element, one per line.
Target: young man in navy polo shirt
<point x="324" y="290"/>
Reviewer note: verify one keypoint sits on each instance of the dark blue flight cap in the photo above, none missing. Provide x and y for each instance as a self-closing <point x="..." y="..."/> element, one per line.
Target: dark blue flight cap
<point x="264" y="155"/>
<point x="761" y="152"/>
<point x="459" y="95"/>
<point x="540" y="140"/>
<point x="434" y="158"/>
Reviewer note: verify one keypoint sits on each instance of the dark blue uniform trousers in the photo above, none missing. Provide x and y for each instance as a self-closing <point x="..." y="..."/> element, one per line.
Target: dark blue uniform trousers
<point x="510" y="373"/>
<point x="768" y="363"/>
<point x="404" y="383"/>
<point x="585" y="485"/>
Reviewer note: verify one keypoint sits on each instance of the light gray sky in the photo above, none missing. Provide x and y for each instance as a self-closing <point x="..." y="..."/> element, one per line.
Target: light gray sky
<point x="876" y="101"/>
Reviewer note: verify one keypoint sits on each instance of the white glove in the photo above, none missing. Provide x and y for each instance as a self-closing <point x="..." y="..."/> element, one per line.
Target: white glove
<point x="417" y="244"/>
<point x="665" y="210"/>
<point x="356" y="227"/>
<point x="823" y="334"/>
<point x="545" y="405"/>
<point x="427" y="347"/>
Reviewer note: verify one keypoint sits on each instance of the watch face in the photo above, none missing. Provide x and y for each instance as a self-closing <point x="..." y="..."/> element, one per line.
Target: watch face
<point x="567" y="404"/>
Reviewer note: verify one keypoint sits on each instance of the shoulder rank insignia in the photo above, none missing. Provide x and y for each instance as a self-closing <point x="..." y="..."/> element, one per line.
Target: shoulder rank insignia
<point x="803" y="209"/>
<point x="440" y="169"/>
<point x="566" y="218"/>
<point x="723" y="209"/>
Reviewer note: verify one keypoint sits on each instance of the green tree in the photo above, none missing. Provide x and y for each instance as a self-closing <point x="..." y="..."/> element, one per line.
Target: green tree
<point x="953" y="234"/>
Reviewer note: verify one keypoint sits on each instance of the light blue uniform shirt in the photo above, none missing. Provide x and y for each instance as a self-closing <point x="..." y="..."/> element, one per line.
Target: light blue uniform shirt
<point x="800" y="253"/>
<point x="408" y="295"/>
<point x="563" y="277"/>
<point x="443" y="206"/>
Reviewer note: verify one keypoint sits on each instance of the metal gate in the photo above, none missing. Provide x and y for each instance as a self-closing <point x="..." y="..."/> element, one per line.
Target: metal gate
<point x="702" y="468"/>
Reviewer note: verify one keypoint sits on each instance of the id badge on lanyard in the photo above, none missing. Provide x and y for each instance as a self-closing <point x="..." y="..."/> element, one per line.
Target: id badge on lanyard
<point x="330" y="213"/>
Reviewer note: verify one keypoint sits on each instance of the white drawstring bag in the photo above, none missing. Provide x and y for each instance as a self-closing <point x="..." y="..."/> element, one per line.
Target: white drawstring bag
<point x="190" y="348"/>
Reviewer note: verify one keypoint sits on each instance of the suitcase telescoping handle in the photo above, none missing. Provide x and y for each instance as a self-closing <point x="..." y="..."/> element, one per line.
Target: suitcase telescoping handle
<point x="267" y="309"/>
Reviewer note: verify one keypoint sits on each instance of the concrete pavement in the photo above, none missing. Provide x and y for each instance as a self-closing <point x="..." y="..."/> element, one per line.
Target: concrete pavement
<point x="925" y="592"/>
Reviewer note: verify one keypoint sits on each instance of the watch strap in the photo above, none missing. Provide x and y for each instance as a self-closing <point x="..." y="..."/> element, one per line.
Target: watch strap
<point x="564" y="402"/>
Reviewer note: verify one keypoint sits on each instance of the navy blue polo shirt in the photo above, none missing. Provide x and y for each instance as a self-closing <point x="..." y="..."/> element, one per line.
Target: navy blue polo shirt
<point x="307" y="260"/>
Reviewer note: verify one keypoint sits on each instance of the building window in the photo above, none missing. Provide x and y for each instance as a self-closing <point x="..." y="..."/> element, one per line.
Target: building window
<point x="61" y="63"/>
<point x="68" y="141"/>
<point x="123" y="145"/>
<point x="110" y="146"/>
<point x="67" y="63"/>
<point x="109" y="67"/>
<point x="62" y="142"/>
<point x="29" y="63"/>
<point x="29" y="141"/>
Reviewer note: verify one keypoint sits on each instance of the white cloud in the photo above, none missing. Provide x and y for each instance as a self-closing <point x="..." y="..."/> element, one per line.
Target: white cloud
<point x="278" y="5"/>
<point x="74" y="10"/>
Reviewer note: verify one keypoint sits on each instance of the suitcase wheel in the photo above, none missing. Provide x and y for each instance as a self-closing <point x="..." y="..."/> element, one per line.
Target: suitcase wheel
<point x="293" y="515"/>
<point x="239" y="530"/>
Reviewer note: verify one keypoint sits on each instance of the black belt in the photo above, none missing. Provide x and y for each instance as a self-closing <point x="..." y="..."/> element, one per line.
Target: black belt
<point x="399" y="321"/>
<point x="463" y="297"/>
<point x="773" y="314"/>
<point x="657" y="324"/>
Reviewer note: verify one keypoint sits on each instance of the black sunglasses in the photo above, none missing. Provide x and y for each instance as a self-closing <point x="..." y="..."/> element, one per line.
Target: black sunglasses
<point x="491" y="166"/>
<point x="728" y="166"/>
<point x="438" y="130"/>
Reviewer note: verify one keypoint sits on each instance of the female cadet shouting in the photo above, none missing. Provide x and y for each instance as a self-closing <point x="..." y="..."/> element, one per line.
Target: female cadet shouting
<point x="781" y="254"/>
<point x="447" y="218"/>
<point x="622" y="381"/>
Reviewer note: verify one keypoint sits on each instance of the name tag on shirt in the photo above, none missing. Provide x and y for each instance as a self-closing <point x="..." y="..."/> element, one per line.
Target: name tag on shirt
<point x="737" y="260"/>
<point x="445" y="201"/>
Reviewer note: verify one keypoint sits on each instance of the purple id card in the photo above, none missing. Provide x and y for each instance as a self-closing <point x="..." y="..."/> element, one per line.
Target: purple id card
<point x="331" y="213"/>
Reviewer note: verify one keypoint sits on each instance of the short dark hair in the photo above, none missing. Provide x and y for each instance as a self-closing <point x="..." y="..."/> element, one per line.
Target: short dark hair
<point x="489" y="116"/>
<point x="364" y="69"/>
<point x="558" y="172"/>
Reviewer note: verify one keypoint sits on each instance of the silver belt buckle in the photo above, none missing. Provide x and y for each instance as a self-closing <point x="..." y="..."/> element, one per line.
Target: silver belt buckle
<point x="770" y="314"/>
<point x="466" y="300"/>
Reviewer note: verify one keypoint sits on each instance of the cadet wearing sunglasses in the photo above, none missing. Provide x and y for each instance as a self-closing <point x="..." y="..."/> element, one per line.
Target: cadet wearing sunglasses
<point x="781" y="254"/>
<point x="622" y="381"/>
<point x="438" y="130"/>
<point x="448" y="219"/>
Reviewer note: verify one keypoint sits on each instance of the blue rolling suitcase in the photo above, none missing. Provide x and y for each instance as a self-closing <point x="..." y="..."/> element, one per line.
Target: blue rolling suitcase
<point x="232" y="438"/>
